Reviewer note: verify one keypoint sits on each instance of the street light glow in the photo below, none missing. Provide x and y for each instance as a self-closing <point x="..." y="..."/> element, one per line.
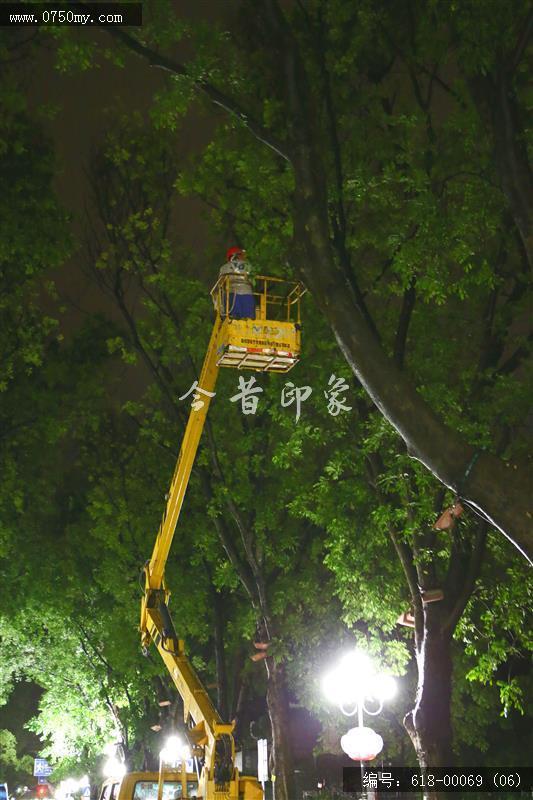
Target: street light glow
<point x="350" y="679"/>
<point x="354" y="679"/>
<point x="359" y="663"/>
<point x="339" y="687"/>
<point x="383" y="687"/>
<point x="113" y="768"/>
<point x="175" y="750"/>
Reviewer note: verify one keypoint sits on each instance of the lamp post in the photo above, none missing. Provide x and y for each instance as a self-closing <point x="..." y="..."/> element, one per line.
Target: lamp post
<point x="356" y="686"/>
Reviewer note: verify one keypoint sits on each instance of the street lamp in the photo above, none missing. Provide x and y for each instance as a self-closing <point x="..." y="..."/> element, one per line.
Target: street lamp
<point x="356" y="686"/>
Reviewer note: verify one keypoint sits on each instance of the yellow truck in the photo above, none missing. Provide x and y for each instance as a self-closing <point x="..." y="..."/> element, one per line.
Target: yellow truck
<point x="144" y="786"/>
<point x="268" y="342"/>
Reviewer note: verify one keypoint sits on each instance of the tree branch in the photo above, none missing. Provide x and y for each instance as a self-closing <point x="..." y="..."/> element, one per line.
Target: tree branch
<point x="217" y="97"/>
<point x="495" y="101"/>
<point x="514" y="360"/>
<point x="405" y="555"/>
<point x="472" y="573"/>
<point x="408" y="304"/>
<point x="523" y="39"/>
<point x="242" y="570"/>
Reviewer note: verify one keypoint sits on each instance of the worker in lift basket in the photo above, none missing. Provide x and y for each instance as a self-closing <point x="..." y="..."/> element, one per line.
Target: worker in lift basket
<point x="240" y="304"/>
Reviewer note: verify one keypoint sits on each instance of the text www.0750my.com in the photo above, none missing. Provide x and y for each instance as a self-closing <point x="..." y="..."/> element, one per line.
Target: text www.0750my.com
<point x="76" y="14"/>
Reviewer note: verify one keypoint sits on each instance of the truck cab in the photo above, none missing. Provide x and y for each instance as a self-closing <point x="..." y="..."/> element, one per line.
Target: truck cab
<point x="143" y="786"/>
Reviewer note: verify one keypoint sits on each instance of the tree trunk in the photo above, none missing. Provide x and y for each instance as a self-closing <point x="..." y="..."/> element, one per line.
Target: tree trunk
<point x="497" y="106"/>
<point x="238" y="706"/>
<point x="278" y="710"/>
<point x="220" y="656"/>
<point x="429" y="723"/>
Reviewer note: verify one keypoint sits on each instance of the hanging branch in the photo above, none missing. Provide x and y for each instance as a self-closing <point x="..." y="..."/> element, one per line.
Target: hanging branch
<point x="470" y="577"/>
<point x="217" y="97"/>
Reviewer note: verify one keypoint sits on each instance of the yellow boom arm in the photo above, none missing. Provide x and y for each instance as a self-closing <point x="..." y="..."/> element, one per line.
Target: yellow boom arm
<point x="260" y="344"/>
<point x="209" y="732"/>
<point x="155" y="568"/>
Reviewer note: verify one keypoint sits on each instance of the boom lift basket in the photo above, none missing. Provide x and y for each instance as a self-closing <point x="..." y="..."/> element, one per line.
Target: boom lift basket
<point x="271" y="341"/>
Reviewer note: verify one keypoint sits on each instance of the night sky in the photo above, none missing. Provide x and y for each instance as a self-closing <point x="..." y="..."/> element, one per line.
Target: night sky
<point x="85" y="103"/>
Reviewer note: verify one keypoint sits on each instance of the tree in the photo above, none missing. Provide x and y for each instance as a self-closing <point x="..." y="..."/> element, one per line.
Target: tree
<point x="310" y="67"/>
<point x="59" y="629"/>
<point x="11" y="764"/>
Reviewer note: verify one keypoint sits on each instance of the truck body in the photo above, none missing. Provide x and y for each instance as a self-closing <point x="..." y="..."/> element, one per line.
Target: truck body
<point x="144" y="786"/>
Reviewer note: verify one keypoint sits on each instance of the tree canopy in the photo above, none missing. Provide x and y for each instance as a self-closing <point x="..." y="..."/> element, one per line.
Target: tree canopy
<point x="316" y="98"/>
<point x="363" y="149"/>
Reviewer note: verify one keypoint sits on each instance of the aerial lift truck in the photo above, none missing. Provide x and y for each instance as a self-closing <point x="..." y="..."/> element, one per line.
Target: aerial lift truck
<point x="268" y="342"/>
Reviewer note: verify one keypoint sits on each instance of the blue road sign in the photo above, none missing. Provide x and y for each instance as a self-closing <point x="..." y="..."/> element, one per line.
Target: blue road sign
<point x="41" y="768"/>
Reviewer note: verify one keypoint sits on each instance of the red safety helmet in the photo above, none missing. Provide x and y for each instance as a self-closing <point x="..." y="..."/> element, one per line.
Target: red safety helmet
<point x="234" y="251"/>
